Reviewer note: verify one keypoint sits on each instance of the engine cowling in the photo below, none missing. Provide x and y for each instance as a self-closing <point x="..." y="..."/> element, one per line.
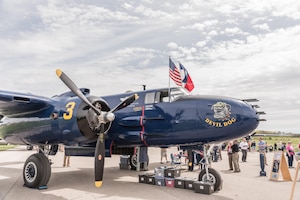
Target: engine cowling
<point x="87" y="119"/>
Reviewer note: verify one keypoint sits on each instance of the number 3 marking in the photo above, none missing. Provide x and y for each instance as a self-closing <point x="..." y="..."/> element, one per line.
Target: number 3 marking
<point x="69" y="114"/>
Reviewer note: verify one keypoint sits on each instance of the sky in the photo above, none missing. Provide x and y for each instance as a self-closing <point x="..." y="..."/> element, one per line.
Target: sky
<point x="241" y="49"/>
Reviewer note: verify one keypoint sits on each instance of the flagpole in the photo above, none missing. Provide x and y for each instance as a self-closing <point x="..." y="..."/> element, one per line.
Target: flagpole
<point x="180" y="74"/>
<point x="169" y="92"/>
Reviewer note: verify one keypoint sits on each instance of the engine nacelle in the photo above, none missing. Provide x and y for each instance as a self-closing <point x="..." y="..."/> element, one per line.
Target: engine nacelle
<point x="87" y="119"/>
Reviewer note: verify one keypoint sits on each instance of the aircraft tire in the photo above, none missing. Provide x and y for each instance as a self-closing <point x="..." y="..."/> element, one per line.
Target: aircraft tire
<point x="214" y="177"/>
<point x="36" y="171"/>
<point x="133" y="162"/>
<point x="47" y="169"/>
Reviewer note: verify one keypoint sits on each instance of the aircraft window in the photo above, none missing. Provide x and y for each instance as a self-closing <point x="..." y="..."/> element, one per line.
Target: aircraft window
<point x="165" y="99"/>
<point x="149" y="98"/>
<point x="164" y="96"/>
<point x="157" y="97"/>
<point x="175" y="93"/>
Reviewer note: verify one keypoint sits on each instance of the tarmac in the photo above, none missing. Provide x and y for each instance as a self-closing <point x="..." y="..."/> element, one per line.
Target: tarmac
<point x="77" y="181"/>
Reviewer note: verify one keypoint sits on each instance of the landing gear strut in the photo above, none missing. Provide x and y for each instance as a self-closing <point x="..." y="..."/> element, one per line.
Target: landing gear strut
<point x="209" y="174"/>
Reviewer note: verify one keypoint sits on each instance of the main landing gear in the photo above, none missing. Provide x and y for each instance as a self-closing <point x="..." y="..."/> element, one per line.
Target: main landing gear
<point x="209" y="174"/>
<point x="37" y="170"/>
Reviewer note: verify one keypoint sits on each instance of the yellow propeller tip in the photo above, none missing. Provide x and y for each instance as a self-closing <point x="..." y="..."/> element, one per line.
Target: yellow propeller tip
<point x="98" y="184"/>
<point x="58" y="72"/>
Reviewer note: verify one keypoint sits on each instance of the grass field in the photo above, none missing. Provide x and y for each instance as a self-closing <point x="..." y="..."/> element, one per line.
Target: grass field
<point x="6" y="147"/>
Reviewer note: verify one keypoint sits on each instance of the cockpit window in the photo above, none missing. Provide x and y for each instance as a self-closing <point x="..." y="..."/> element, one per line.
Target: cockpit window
<point x="175" y="93"/>
<point x="149" y="98"/>
<point x="178" y="92"/>
<point x="163" y="95"/>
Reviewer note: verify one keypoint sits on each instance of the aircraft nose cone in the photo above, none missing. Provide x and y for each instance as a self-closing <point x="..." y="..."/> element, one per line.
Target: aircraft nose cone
<point x="106" y="117"/>
<point x="110" y="116"/>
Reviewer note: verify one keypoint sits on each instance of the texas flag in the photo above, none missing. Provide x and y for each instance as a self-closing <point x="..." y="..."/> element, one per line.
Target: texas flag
<point x="187" y="82"/>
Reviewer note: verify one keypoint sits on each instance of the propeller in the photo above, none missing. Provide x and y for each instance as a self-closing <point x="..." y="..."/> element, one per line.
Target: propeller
<point x="103" y="118"/>
<point x="100" y="146"/>
<point x="99" y="157"/>
<point x="126" y="102"/>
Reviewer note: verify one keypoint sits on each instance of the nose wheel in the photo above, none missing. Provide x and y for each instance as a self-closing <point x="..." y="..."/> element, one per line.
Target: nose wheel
<point x="211" y="176"/>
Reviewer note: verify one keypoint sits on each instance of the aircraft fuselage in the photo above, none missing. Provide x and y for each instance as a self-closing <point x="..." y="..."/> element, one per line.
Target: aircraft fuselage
<point x="155" y="119"/>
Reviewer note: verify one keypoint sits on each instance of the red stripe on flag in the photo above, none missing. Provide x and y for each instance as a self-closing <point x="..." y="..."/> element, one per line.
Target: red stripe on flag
<point x="174" y="73"/>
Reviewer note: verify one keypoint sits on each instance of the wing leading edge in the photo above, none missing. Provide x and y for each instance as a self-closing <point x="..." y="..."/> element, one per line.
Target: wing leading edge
<point x="14" y="104"/>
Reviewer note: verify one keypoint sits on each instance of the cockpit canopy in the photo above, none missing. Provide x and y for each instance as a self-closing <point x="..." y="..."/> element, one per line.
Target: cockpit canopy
<point x="163" y="95"/>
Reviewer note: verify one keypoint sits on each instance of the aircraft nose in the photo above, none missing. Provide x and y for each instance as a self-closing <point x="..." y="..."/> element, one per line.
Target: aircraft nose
<point x="250" y="114"/>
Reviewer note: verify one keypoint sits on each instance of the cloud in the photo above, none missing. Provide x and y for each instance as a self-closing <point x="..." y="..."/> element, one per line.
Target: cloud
<point x="244" y="49"/>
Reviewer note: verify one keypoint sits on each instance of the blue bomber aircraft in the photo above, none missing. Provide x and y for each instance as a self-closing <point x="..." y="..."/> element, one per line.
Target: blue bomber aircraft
<point x="88" y="126"/>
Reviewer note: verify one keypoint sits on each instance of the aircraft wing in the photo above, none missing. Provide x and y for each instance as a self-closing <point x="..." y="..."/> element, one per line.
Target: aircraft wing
<point x="14" y="104"/>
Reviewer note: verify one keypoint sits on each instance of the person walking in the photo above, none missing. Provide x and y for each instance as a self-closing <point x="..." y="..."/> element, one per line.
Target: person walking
<point x="290" y="154"/>
<point x="66" y="157"/>
<point x="191" y="160"/>
<point x="253" y="146"/>
<point x="235" y="156"/>
<point x="144" y="158"/>
<point x="262" y="149"/>
<point x="229" y="153"/>
<point x="244" y="148"/>
<point x="163" y="154"/>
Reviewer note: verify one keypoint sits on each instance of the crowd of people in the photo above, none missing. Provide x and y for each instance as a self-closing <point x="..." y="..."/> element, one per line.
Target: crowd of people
<point x="234" y="148"/>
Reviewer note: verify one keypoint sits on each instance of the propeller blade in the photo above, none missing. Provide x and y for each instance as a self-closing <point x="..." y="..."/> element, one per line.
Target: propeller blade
<point x="71" y="85"/>
<point x="99" y="158"/>
<point x="100" y="146"/>
<point x="125" y="103"/>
